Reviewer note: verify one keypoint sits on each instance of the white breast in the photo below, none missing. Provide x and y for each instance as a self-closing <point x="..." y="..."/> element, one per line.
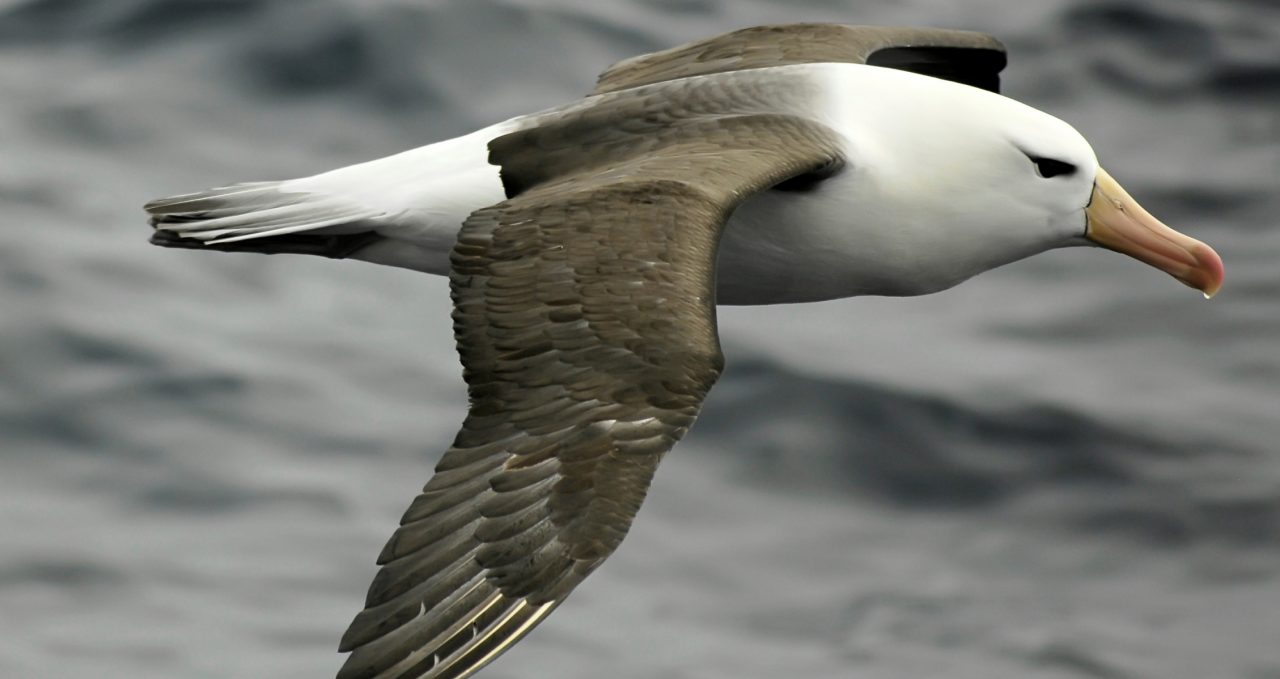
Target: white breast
<point x="845" y="237"/>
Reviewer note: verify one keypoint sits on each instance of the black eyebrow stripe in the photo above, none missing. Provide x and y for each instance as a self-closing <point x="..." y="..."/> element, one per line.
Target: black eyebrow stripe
<point x="1052" y="167"/>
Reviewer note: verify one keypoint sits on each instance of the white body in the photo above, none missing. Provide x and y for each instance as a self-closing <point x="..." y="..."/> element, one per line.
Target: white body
<point x="931" y="195"/>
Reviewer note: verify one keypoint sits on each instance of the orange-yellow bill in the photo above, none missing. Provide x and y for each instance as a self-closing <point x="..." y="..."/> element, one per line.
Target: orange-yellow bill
<point x="1117" y="222"/>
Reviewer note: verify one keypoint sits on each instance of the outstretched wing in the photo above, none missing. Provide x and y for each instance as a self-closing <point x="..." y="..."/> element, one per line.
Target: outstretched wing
<point x="584" y="311"/>
<point x="962" y="56"/>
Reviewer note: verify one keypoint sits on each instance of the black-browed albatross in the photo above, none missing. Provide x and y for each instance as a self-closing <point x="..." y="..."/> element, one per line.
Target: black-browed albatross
<point x="587" y="246"/>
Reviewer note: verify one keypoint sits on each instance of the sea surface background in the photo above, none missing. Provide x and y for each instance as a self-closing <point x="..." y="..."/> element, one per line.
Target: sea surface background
<point x="1069" y="467"/>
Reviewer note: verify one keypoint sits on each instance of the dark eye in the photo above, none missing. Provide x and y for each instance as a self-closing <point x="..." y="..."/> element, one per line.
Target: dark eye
<point x="1050" y="168"/>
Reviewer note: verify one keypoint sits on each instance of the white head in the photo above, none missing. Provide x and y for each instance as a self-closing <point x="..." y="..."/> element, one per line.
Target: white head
<point x="947" y="181"/>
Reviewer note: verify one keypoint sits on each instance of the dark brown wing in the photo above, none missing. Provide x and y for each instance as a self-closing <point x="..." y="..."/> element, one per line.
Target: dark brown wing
<point x="585" y="319"/>
<point x="971" y="58"/>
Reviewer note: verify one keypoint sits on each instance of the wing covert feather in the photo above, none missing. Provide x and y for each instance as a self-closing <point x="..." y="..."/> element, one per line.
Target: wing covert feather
<point x="584" y="313"/>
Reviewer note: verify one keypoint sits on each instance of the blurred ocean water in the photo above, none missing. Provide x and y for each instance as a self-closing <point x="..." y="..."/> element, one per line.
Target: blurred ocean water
<point x="1069" y="467"/>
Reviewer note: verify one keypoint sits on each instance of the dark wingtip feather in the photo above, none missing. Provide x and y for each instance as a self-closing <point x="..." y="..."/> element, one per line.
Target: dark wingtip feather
<point x="169" y="239"/>
<point x="334" y="247"/>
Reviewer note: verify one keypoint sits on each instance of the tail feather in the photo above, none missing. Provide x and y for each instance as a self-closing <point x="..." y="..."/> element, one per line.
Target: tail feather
<point x="259" y="217"/>
<point x="337" y="246"/>
<point x="212" y="198"/>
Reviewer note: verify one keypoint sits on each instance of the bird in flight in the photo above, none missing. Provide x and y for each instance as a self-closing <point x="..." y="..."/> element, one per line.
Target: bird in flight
<point x="588" y="245"/>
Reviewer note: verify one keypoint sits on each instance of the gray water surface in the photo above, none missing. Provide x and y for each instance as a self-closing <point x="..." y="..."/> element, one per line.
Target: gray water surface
<point x="1064" y="468"/>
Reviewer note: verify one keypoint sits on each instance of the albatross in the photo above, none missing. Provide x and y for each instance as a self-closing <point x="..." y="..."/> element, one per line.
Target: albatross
<point x="588" y="245"/>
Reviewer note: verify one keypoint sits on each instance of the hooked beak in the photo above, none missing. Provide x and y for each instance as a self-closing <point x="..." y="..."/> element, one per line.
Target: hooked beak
<point x="1117" y="222"/>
